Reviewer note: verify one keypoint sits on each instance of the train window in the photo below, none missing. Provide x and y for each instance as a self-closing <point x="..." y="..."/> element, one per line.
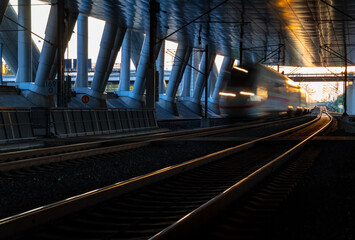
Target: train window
<point x="240" y="79"/>
<point x="262" y="92"/>
<point x="278" y="87"/>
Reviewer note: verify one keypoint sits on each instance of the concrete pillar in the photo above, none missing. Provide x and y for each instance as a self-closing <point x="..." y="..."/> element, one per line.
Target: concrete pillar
<point x="125" y="74"/>
<point x="9" y="39"/>
<point x="106" y="45"/>
<point x="200" y="82"/>
<point x="196" y="59"/>
<point x="187" y="79"/>
<point x="168" y="101"/>
<point x="136" y="47"/>
<point x="24" y="73"/>
<point x="48" y="52"/>
<point x="212" y="78"/>
<point x="69" y="20"/>
<point x="160" y="68"/>
<point x="139" y="85"/>
<point x="136" y="95"/>
<point x="120" y="33"/>
<point x="222" y="77"/>
<point x="3" y="6"/>
<point x="82" y="52"/>
<point x="182" y="56"/>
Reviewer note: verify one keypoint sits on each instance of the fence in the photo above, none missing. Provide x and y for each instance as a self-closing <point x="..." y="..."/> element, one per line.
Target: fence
<point x="83" y="121"/>
<point x="15" y="124"/>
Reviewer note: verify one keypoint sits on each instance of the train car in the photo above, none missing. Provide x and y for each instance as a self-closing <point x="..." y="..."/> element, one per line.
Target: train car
<point x="255" y="90"/>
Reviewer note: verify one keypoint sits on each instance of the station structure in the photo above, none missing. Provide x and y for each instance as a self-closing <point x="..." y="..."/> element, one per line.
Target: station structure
<point x="280" y="32"/>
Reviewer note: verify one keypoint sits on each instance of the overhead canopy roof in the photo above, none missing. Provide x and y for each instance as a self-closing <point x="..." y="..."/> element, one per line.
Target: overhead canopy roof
<point x="307" y="32"/>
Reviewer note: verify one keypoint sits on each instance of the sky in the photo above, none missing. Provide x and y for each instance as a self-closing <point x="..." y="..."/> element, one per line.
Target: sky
<point x="40" y="12"/>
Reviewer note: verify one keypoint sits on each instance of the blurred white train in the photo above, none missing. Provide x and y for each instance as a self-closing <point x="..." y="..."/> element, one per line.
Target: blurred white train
<point x="255" y="90"/>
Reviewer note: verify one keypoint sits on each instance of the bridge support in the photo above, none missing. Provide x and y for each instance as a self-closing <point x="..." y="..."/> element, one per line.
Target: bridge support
<point x="81" y="84"/>
<point x="136" y="47"/>
<point x="160" y="69"/>
<point x="111" y="42"/>
<point x="139" y="84"/>
<point x="116" y="48"/>
<point x="136" y="99"/>
<point x="82" y="52"/>
<point x="168" y="101"/>
<point x="9" y="39"/>
<point x="125" y="73"/>
<point x="222" y="79"/>
<point x="194" y="102"/>
<point x="38" y="93"/>
<point x="212" y="78"/>
<point x="187" y="79"/>
<point x="24" y="73"/>
<point x="196" y="60"/>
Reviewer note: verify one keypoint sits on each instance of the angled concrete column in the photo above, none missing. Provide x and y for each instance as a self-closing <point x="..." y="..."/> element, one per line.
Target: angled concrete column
<point x="160" y="68"/>
<point x="47" y="57"/>
<point x="136" y="96"/>
<point x="111" y="43"/>
<point x="106" y="46"/>
<point x="35" y="60"/>
<point x="187" y="79"/>
<point x="3" y="6"/>
<point x="125" y="73"/>
<point x="194" y="102"/>
<point x="70" y="21"/>
<point x="82" y="51"/>
<point x="120" y="33"/>
<point x="9" y="39"/>
<point x="196" y="60"/>
<point x="180" y="61"/>
<point x="168" y="101"/>
<point x="222" y="79"/>
<point x="200" y="82"/>
<point x="139" y="85"/>
<point x="212" y="78"/>
<point x="24" y="73"/>
<point x="136" y="48"/>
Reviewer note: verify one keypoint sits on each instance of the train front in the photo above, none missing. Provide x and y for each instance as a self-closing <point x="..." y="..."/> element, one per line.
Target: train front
<point x="244" y="96"/>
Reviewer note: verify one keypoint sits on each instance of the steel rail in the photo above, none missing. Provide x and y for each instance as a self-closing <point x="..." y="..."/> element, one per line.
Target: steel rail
<point x="212" y="208"/>
<point x="41" y="215"/>
<point x="34" y="157"/>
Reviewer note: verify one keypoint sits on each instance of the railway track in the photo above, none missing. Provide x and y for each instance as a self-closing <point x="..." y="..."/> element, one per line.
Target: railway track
<point x="140" y="207"/>
<point x="33" y="184"/>
<point x="46" y="155"/>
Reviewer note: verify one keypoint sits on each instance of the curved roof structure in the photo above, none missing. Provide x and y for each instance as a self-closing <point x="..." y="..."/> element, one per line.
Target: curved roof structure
<point x="288" y="32"/>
